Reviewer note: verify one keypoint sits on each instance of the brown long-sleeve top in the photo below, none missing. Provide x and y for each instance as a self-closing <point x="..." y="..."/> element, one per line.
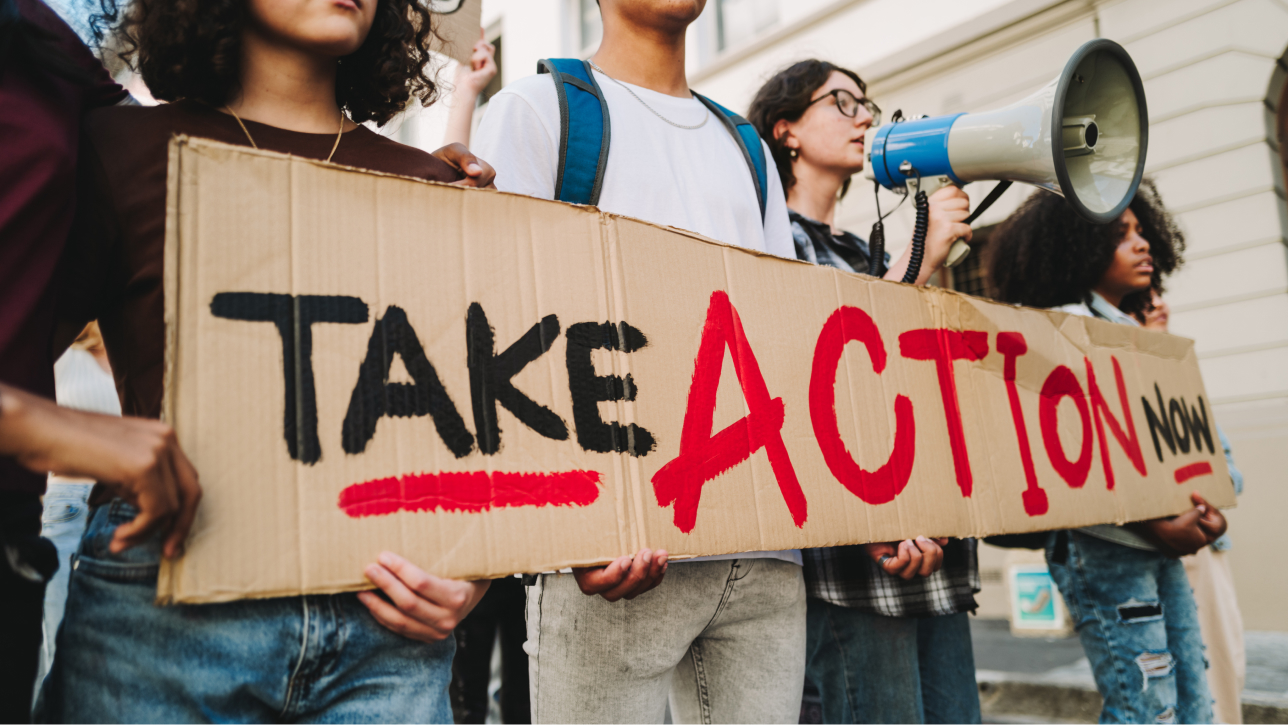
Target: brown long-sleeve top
<point x="115" y="257"/>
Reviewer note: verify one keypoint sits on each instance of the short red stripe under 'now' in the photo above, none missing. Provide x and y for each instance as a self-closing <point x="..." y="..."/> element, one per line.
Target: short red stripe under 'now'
<point x="1194" y="470"/>
<point x="469" y="491"/>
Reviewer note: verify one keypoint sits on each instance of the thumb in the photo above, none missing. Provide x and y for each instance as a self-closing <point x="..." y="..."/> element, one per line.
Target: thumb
<point x="469" y="163"/>
<point x="880" y="551"/>
<point x="594" y="580"/>
<point x="1210" y="525"/>
<point x="1187" y="519"/>
<point x="614" y="572"/>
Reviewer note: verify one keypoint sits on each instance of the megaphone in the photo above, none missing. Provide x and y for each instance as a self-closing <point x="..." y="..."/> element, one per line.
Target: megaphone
<point x="1082" y="136"/>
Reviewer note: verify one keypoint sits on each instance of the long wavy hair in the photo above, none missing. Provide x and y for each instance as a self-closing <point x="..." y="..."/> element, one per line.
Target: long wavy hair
<point x="786" y="97"/>
<point x="1046" y="255"/>
<point x="191" y="49"/>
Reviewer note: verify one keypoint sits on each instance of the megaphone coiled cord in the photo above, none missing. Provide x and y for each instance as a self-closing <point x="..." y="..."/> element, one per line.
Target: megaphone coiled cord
<point x="876" y="239"/>
<point x="876" y="249"/>
<point x="922" y="205"/>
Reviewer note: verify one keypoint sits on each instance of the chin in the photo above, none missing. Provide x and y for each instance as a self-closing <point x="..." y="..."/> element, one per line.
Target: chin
<point x="336" y="36"/>
<point x="336" y="46"/>
<point x="679" y="13"/>
<point x="688" y="8"/>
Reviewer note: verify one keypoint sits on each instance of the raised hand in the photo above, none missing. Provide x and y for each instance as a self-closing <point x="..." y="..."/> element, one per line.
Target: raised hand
<point x="473" y="77"/>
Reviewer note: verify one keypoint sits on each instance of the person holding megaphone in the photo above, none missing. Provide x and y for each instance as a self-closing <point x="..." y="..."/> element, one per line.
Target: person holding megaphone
<point x="814" y="116"/>
<point x="887" y="633"/>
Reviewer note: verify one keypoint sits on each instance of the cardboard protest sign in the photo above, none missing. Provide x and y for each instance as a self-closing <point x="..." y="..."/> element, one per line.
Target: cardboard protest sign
<point x="489" y="384"/>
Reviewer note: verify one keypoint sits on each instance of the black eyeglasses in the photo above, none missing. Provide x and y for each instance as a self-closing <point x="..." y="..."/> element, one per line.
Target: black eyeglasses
<point x="848" y="105"/>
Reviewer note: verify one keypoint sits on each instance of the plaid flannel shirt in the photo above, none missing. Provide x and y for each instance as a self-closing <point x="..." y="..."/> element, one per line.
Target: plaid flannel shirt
<point x="815" y="243"/>
<point x="846" y="575"/>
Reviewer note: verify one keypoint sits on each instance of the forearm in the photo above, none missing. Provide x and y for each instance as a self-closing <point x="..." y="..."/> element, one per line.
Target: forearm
<point x="40" y="434"/>
<point x="17" y="409"/>
<point x="461" y="116"/>
<point x="900" y="267"/>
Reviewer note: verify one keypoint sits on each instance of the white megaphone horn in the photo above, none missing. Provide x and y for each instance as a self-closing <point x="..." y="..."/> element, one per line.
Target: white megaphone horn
<point x="1082" y="136"/>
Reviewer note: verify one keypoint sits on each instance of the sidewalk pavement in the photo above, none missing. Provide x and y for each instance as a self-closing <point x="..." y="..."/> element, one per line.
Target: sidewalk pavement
<point x="1025" y="679"/>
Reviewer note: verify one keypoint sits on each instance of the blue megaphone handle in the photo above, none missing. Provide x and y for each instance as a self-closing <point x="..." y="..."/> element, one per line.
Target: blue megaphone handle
<point x="923" y="143"/>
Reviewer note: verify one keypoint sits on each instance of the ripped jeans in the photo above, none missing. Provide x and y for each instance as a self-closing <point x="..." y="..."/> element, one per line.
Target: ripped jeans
<point x="1135" y="613"/>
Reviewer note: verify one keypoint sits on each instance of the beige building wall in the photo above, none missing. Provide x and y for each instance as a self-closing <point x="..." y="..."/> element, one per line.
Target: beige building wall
<point x="1213" y="78"/>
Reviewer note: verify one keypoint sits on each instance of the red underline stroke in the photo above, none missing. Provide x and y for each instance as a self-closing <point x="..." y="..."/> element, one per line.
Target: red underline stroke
<point x="469" y="491"/>
<point x="1194" y="470"/>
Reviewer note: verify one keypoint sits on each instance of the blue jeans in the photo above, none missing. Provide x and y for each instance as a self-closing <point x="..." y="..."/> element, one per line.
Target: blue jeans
<point x="319" y="658"/>
<point x="63" y="522"/>
<point x="1135" y="613"/>
<point x="874" y="669"/>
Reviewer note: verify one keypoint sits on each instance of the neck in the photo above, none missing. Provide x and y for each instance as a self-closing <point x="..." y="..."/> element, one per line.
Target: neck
<point x="814" y="193"/>
<point x="1111" y="296"/>
<point x="648" y="57"/>
<point x="286" y="88"/>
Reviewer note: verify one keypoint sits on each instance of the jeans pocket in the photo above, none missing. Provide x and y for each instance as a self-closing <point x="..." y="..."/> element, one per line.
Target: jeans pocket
<point x="139" y="563"/>
<point x="56" y="512"/>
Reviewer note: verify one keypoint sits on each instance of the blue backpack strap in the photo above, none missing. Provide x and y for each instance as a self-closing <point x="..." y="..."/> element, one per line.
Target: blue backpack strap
<point x="749" y="141"/>
<point x="583" y="130"/>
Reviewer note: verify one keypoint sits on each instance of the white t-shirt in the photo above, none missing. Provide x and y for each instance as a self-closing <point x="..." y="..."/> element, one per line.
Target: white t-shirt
<point x="81" y="383"/>
<point x="690" y="179"/>
<point x="693" y="179"/>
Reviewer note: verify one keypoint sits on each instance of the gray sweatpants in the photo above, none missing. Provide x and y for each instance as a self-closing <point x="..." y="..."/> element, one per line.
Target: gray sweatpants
<point x="726" y="638"/>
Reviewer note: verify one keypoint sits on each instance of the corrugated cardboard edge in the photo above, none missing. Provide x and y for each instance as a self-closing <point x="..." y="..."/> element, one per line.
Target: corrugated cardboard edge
<point x="166" y="575"/>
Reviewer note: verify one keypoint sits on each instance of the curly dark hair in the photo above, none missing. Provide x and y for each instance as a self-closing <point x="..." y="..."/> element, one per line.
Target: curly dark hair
<point x="785" y="97"/>
<point x="192" y="49"/>
<point x="1046" y="255"/>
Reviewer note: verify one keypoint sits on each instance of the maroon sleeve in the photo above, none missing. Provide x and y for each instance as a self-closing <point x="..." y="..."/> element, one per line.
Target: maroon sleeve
<point x="102" y="91"/>
<point x="85" y="269"/>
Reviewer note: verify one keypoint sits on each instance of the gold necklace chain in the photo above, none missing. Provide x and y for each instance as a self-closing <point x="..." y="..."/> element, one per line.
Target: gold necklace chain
<point x="256" y="146"/>
<point x="698" y="125"/>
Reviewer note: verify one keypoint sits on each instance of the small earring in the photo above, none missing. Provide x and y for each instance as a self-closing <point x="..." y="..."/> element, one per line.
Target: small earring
<point x="791" y="153"/>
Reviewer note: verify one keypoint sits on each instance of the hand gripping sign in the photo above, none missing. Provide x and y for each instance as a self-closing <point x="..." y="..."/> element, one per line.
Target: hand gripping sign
<point x="490" y="384"/>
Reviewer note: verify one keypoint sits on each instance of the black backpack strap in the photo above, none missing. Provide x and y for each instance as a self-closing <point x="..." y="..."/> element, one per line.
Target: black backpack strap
<point x="584" y="130"/>
<point x="749" y="141"/>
